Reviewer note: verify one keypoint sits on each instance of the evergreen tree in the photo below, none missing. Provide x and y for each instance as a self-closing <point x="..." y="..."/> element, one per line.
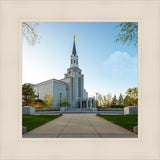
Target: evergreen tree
<point x="121" y="100"/>
<point x="114" y="100"/>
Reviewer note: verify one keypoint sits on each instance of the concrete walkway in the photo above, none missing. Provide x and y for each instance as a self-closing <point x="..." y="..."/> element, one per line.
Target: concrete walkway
<point x="79" y="126"/>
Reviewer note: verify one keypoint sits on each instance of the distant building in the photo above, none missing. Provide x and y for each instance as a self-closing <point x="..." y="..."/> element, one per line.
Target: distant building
<point x="69" y="89"/>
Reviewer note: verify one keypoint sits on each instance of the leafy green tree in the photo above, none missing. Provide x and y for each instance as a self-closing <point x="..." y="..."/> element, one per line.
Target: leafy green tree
<point x="129" y="91"/>
<point x="48" y="101"/>
<point x="127" y="100"/>
<point x="132" y="92"/>
<point x="128" y="33"/>
<point x="120" y="99"/>
<point x="134" y="101"/>
<point x="114" y="100"/>
<point x="29" y="32"/>
<point x="28" y="95"/>
<point x="62" y="101"/>
<point x="65" y="103"/>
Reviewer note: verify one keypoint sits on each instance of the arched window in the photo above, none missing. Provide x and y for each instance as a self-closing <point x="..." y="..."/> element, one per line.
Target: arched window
<point x="74" y="61"/>
<point x="71" y="61"/>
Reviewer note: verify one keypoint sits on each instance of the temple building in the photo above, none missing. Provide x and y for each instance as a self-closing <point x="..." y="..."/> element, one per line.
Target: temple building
<point x="69" y="89"/>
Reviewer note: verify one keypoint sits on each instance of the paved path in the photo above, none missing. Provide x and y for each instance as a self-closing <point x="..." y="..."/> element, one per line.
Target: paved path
<point x="79" y="126"/>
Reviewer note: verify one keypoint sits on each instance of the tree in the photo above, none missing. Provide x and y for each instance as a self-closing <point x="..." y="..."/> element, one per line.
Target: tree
<point x="99" y="99"/>
<point x="28" y="95"/>
<point x="29" y="32"/>
<point x="62" y="101"/>
<point x="65" y="103"/>
<point x="120" y="99"/>
<point x="134" y="101"/>
<point x="104" y="100"/>
<point x="114" y="100"/>
<point x="109" y="99"/>
<point x="40" y="103"/>
<point x="48" y="100"/>
<point x="127" y="100"/>
<point x="133" y="92"/>
<point x="128" y="33"/>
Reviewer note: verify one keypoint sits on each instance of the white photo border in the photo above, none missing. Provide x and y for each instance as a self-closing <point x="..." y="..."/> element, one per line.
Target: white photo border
<point x="13" y="146"/>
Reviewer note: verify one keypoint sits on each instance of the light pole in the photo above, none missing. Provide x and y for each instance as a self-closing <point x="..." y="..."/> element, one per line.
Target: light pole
<point x="96" y="99"/>
<point x="60" y="98"/>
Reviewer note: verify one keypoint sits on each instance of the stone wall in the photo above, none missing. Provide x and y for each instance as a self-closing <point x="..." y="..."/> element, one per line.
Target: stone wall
<point x="28" y="110"/>
<point x="131" y="110"/>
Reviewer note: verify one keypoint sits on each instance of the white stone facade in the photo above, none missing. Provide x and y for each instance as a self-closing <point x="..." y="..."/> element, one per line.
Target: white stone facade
<point x="53" y="87"/>
<point x="71" y="87"/>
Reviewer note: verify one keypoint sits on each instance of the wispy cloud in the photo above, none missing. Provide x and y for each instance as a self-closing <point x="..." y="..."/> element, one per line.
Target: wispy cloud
<point x="121" y="63"/>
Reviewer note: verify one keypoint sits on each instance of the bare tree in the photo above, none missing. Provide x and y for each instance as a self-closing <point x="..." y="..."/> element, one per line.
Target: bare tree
<point x="109" y="99"/>
<point x="29" y="32"/>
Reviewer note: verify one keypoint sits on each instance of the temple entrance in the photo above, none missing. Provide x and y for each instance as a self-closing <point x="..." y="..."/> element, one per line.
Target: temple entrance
<point x="83" y="104"/>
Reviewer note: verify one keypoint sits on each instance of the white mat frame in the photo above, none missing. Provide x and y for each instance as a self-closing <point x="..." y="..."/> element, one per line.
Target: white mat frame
<point x="13" y="13"/>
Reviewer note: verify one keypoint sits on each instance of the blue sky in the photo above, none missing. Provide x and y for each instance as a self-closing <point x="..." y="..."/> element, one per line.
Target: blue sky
<point x="108" y="67"/>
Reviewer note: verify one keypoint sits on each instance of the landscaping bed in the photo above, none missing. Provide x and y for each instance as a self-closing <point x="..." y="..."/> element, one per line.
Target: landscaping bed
<point x="110" y="109"/>
<point x="125" y="121"/>
<point x="48" y="109"/>
<point x="34" y="121"/>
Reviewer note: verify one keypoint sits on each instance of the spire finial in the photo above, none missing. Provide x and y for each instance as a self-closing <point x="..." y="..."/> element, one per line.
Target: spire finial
<point x="74" y="38"/>
<point x="74" y="46"/>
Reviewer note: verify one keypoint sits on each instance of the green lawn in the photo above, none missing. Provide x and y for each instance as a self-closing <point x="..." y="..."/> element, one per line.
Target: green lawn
<point x="34" y="121"/>
<point x="126" y="121"/>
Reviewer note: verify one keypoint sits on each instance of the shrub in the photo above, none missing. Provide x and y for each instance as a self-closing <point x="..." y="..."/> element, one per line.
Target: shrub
<point x="117" y="106"/>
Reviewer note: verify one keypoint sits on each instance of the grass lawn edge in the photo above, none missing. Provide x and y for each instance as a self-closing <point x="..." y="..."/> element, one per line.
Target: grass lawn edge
<point x="119" y="124"/>
<point x="35" y="121"/>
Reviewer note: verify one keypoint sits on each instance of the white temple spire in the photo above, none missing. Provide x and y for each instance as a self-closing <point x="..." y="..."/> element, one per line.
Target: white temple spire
<point x="74" y="56"/>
